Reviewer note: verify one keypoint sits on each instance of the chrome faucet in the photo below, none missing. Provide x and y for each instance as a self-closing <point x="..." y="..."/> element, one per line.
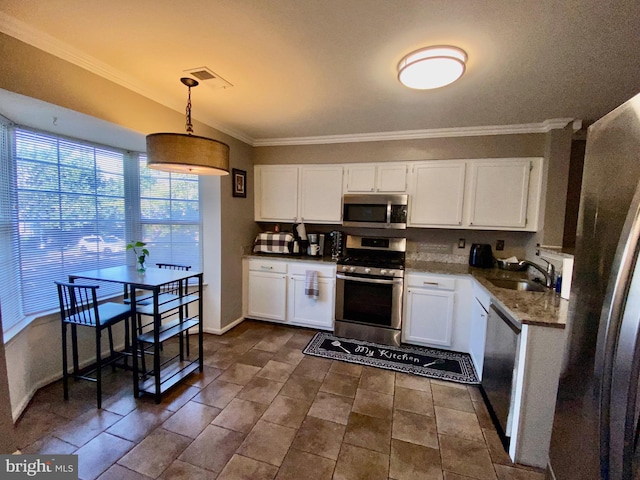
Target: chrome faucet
<point x="549" y="274"/>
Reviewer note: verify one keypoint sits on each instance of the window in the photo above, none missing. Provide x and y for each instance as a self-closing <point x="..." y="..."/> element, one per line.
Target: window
<point x="170" y="215"/>
<point x="69" y="206"/>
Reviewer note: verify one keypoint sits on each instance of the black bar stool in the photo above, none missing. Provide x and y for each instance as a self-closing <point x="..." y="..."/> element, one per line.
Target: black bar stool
<point x="79" y="307"/>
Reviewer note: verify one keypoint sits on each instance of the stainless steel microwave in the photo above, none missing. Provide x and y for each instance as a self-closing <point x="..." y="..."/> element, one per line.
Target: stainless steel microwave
<point x="375" y="211"/>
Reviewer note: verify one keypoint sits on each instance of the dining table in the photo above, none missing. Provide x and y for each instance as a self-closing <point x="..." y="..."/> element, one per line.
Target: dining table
<point x="171" y="318"/>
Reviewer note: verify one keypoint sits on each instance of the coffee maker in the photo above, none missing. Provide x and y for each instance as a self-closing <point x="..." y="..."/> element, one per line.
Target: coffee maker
<point x="314" y="245"/>
<point x="337" y="244"/>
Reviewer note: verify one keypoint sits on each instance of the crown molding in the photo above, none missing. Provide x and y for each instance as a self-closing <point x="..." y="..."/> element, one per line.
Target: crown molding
<point x="25" y="33"/>
<point x="525" y="128"/>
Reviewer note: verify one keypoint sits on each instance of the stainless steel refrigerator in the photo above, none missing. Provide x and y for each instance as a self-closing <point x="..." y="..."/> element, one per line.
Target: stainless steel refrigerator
<point x="596" y="423"/>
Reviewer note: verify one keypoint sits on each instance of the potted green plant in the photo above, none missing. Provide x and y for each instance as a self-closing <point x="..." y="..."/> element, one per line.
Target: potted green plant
<point x="141" y="254"/>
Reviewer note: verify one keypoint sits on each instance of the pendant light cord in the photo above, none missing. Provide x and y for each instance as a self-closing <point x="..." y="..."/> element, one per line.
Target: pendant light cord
<point x="189" y="125"/>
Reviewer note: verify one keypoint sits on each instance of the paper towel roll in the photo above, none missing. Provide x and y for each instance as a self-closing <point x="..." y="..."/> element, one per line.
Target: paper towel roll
<point x="302" y="232"/>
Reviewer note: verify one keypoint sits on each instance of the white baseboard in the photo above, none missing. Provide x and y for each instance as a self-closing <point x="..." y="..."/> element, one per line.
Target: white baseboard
<point x="550" y="473"/>
<point x="24" y="402"/>
<point x="225" y="329"/>
<point x="22" y="405"/>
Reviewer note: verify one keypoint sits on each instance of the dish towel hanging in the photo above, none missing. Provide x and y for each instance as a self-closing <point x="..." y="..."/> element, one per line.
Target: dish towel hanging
<point x="311" y="284"/>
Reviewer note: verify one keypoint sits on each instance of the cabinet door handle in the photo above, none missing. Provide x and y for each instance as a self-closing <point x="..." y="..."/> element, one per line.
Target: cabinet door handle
<point x="264" y="267"/>
<point x="431" y="283"/>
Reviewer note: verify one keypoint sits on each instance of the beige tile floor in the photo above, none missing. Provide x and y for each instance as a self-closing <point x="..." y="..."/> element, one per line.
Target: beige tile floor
<point x="263" y="410"/>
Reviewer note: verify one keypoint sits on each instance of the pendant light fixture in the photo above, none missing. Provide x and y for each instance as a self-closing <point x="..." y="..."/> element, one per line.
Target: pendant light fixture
<point x="187" y="153"/>
<point x="432" y="67"/>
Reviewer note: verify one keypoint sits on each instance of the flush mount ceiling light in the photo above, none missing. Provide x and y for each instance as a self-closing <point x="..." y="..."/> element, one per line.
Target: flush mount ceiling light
<point x="177" y="152"/>
<point x="432" y="67"/>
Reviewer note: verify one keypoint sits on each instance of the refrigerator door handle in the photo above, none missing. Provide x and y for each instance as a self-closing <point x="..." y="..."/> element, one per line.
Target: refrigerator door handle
<point x="616" y="365"/>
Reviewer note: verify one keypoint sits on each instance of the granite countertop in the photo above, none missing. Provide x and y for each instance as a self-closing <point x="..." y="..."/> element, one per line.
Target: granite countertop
<point x="533" y="308"/>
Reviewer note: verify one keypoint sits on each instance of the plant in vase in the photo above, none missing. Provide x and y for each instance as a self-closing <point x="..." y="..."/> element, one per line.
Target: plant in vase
<point x="141" y="254"/>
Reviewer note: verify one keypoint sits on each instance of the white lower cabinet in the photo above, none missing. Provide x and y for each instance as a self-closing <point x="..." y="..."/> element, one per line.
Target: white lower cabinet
<point x="267" y="290"/>
<point x="478" y="327"/>
<point x="275" y="291"/>
<point x="429" y="303"/>
<point x="305" y="310"/>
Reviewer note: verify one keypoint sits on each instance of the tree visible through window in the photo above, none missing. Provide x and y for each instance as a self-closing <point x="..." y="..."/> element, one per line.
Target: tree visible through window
<point x="170" y="215"/>
<point x="74" y="207"/>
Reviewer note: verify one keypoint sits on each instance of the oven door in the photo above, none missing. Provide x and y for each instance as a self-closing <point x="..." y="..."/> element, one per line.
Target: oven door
<point x="369" y="301"/>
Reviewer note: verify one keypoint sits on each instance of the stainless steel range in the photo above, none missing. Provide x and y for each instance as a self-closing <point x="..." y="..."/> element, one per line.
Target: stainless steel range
<point x="369" y="286"/>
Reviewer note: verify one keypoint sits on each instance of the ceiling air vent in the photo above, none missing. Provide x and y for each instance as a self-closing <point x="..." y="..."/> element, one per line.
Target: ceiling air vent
<point x="208" y="77"/>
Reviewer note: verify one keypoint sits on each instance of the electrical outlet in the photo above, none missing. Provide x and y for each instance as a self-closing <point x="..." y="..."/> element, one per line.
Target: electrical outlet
<point x="461" y="243"/>
<point x="499" y="244"/>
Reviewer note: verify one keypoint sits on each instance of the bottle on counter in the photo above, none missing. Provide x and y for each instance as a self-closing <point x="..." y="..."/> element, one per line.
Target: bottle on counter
<point x="558" y="283"/>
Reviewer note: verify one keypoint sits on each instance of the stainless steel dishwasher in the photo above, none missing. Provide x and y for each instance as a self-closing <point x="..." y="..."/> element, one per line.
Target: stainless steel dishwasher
<point x="500" y="353"/>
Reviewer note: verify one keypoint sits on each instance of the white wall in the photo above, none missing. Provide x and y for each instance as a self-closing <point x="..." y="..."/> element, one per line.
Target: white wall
<point x="211" y="257"/>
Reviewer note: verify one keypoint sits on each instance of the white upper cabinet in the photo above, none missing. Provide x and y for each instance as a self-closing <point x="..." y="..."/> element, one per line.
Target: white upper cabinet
<point x="500" y="193"/>
<point x="481" y="194"/>
<point x="321" y="193"/>
<point x="292" y="193"/>
<point x="437" y="193"/>
<point x="487" y="194"/>
<point x="276" y="193"/>
<point x="360" y="178"/>
<point x="392" y="178"/>
<point x="376" y="178"/>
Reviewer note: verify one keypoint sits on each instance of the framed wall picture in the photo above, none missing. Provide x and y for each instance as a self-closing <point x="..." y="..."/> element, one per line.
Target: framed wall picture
<point x="239" y="179"/>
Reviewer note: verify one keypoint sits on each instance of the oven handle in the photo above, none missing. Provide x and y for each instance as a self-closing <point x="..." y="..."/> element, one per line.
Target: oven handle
<point x="368" y="280"/>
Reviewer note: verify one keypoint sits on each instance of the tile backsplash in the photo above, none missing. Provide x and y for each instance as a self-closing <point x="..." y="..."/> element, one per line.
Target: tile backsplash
<point x="452" y="246"/>
<point x="435" y="252"/>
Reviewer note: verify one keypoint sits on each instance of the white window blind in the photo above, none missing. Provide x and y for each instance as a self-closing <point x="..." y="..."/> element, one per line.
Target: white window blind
<point x="10" y="303"/>
<point x="71" y="214"/>
<point x="69" y="206"/>
<point x="170" y="216"/>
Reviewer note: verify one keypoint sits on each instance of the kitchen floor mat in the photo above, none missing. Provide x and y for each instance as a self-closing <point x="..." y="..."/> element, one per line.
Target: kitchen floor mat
<point x="423" y="361"/>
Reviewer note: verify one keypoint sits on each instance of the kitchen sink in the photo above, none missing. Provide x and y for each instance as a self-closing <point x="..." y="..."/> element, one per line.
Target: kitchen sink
<point x="517" y="284"/>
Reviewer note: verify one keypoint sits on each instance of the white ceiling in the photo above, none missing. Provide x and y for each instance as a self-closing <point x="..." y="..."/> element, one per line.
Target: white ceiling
<point x="317" y="68"/>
